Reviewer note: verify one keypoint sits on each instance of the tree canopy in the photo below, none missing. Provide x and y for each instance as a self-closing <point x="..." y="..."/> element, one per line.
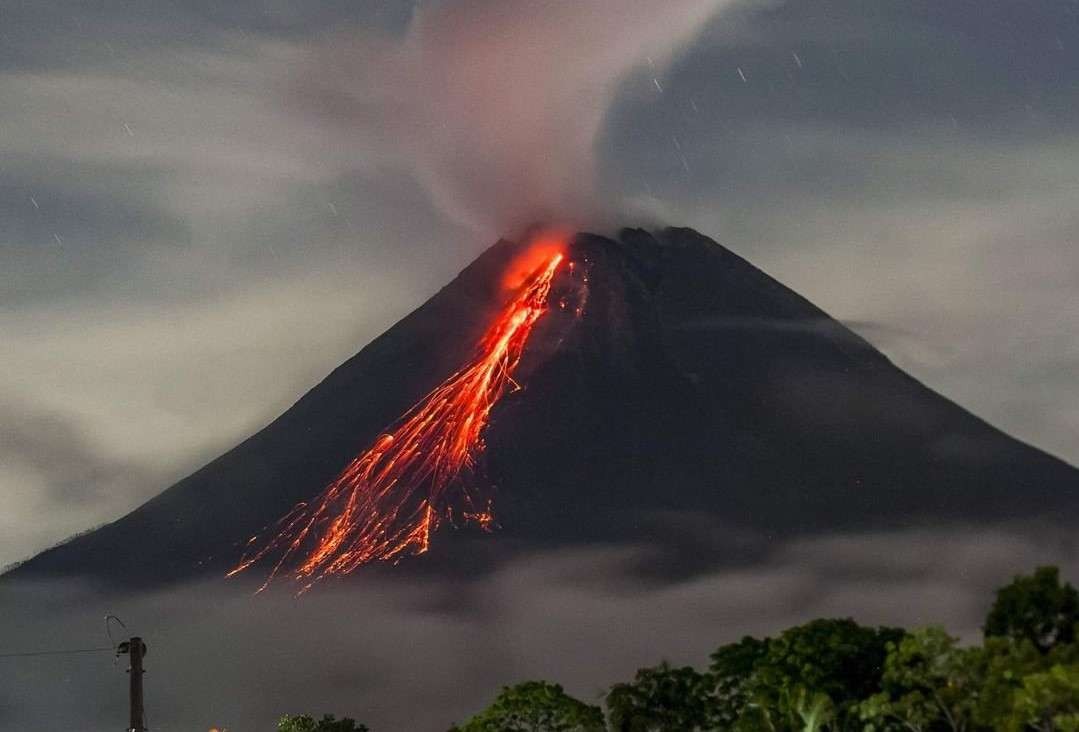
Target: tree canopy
<point x="814" y="674"/>
<point x="664" y="698"/>
<point x="328" y="723"/>
<point x="535" y="706"/>
<point x="731" y="668"/>
<point x="929" y="682"/>
<point x="1036" y="607"/>
<point x="1048" y="700"/>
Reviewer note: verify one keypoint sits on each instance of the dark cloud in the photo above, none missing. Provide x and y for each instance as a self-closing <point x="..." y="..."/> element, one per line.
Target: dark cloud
<point x="1002" y="69"/>
<point x="383" y="652"/>
<point x="69" y="34"/>
<point x="848" y="102"/>
<point x="55" y="471"/>
<point x="63" y="455"/>
<point x="71" y="229"/>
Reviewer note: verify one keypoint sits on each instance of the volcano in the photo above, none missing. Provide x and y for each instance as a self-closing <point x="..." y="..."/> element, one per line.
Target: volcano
<point x="669" y="395"/>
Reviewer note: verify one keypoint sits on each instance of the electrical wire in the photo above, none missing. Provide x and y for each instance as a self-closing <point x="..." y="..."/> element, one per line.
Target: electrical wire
<point x="108" y="630"/>
<point x="28" y="654"/>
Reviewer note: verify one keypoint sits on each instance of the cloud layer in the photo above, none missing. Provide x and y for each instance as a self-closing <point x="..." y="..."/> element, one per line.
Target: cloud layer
<point x="403" y="655"/>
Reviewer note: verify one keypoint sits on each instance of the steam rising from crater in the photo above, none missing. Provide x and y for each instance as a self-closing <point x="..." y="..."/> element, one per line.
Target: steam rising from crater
<point x="496" y="104"/>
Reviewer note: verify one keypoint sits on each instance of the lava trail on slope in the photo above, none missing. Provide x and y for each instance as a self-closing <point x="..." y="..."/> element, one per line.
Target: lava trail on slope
<point x="395" y="494"/>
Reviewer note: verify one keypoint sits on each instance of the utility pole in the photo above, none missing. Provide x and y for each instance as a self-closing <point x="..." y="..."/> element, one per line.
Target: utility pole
<point x="136" y="649"/>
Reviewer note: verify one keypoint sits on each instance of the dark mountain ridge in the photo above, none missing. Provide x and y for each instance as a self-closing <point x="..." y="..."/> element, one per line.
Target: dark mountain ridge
<point x="693" y="400"/>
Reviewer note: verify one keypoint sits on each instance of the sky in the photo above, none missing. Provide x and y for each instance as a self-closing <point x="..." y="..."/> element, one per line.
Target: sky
<point x="206" y="207"/>
<point x="204" y="210"/>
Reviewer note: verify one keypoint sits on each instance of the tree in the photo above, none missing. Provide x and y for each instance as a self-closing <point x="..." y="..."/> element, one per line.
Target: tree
<point x="929" y="682"/>
<point x="812" y="710"/>
<point x="1007" y="663"/>
<point x="1048" y="701"/>
<point x="664" y="699"/>
<point x="731" y="667"/>
<point x="1037" y="608"/>
<point x="882" y="713"/>
<point x="816" y="674"/>
<point x="535" y="706"/>
<point x="307" y="723"/>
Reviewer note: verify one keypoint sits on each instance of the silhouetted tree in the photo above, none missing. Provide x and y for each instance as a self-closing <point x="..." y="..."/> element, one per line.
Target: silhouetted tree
<point x="1037" y="608"/>
<point x="535" y="706"/>
<point x="307" y="723"/>
<point x="815" y="674"/>
<point x="731" y="668"/>
<point x="929" y="683"/>
<point x="1047" y="702"/>
<point x="664" y="699"/>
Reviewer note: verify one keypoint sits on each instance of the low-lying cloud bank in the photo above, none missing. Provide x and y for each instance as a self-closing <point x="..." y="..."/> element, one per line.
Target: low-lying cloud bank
<point x="406" y="655"/>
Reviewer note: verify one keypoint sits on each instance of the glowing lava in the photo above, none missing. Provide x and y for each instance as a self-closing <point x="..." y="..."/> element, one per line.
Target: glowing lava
<point x="391" y="497"/>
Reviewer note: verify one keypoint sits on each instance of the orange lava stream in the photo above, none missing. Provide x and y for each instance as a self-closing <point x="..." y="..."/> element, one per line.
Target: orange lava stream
<point x="391" y="497"/>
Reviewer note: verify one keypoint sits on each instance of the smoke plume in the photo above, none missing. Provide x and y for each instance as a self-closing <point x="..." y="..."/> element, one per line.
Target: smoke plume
<point x="496" y="104"/>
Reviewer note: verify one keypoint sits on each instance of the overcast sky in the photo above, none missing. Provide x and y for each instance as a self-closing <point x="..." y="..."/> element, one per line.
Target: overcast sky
<point x="205" y="207"/>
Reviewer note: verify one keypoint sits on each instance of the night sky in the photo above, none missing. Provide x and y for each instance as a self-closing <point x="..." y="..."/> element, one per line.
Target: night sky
<point x="205" y="207"/>
<point x="203" y="210"/>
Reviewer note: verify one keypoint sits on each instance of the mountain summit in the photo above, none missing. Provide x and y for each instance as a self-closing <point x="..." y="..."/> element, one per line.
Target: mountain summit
<point x="673" y="396"/>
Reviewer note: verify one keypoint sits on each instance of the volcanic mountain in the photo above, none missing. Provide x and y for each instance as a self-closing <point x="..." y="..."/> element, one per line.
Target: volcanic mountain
<point x="670" y="396"/>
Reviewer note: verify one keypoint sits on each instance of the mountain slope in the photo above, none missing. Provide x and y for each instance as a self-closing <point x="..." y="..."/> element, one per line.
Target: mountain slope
<point x="692" y="400"/>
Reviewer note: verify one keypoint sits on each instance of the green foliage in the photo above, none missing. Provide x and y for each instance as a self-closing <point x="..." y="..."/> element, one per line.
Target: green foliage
<point x="307" y="723"/>
<point x="881" y="713"/>
<point x="1036" y="608"/>
<point x="1048" y="701"/>
<point x="929" y="683"/>
<point x="791" y="708"/>
<point x="1007" y="663"/>
<point x="535" y="706"/>
<point x="731" y="668"/>
<point x="814" y="675"/>
<point x="812" y="710"/>
<point x="664" y="699"/>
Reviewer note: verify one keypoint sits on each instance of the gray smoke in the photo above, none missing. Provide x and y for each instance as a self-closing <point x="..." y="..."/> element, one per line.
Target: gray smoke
<point x="496" y="104"/>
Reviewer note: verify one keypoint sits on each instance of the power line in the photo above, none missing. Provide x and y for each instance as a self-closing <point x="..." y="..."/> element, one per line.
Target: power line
<point x="28" y="654"/>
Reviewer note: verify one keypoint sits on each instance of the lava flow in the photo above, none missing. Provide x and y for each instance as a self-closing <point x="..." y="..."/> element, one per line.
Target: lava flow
<point x="392" y="497"/>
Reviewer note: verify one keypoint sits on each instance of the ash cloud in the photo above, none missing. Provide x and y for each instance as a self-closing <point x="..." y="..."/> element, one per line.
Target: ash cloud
<point x="496" y="105"/>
